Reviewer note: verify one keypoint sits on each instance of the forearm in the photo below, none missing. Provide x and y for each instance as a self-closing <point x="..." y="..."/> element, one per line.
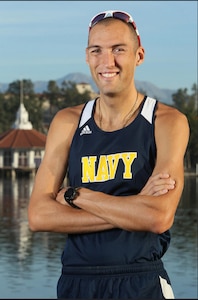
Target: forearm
<point x="139" y="212"/>
<point x="55" y="217"/>
<point x="99" y="211"/>
<point x="119" y="211"/>
<point x="132" y="213"/>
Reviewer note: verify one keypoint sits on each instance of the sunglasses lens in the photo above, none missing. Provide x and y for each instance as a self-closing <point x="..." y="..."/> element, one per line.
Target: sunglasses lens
<point x="97" y="19"/>
<point x="122" y="16"/>
<point x="114" y="14"/>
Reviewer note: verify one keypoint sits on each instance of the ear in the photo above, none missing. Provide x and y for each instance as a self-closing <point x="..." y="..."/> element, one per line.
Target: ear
<point x="140" y="54"/>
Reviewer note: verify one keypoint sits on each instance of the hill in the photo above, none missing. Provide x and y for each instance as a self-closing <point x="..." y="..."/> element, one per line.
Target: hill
<point x="164" y="95"/>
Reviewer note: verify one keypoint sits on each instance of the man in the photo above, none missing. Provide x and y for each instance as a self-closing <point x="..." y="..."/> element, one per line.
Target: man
<point x="124" y="153"/>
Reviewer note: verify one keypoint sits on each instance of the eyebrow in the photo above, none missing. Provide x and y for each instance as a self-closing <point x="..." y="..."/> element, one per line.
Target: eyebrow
<point x="94" y="46"/>
<point x="113" y="46"/>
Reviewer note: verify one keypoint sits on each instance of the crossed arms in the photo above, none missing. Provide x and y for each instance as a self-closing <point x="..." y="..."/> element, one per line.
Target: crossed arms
<point x="153" y="209"/>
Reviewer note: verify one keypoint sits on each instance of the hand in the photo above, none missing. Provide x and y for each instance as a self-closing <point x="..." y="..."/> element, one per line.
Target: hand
<point x="60" y="196"/>
<point x="158" y="184"/>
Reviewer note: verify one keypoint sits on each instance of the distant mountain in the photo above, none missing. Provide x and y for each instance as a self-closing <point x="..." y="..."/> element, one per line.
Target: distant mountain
<point x="164" y="95"/>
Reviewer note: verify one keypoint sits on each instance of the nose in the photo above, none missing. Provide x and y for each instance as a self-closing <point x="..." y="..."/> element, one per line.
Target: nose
<point x="108" y="58"/>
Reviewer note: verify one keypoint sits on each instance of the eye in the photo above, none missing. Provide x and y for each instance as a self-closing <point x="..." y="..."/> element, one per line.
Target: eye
<point x="118" y="49"/>
<point x="95" y="50"/>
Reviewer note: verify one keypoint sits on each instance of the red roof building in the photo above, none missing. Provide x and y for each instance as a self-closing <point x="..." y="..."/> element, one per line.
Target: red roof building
<point x="21" y="147"/>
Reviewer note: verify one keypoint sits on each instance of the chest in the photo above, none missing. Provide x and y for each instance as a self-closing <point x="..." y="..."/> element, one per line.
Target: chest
<point x="103" y="159"/>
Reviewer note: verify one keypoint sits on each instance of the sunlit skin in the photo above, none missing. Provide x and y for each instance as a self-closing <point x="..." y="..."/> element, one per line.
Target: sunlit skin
<point x="110" y="49"/>
<point x="108" y="183"/>
<point x="112" y="55"/>
<point x="112" y="58"/>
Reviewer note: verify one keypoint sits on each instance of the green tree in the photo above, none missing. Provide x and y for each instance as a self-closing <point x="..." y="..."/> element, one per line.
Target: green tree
<point x="4" y="122"/>
<point x="34" y="108"/>
<point x="8" y="108"/>
<point x="187" y="104"/>
<point x="53" y="94"/>
<point x="23" y="92"/>
<point x="71" y="95"/>
<point x="24" y="85"/>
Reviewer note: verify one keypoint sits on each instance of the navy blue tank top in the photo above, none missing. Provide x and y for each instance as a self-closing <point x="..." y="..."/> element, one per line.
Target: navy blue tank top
<point x="117" y="163"/>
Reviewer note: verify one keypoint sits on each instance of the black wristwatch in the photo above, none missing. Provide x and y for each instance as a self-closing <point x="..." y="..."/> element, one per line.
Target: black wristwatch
<point x="70" y="195"/>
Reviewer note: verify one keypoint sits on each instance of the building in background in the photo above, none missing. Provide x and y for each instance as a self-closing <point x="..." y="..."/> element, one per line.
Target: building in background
<point x="21" y="147"/>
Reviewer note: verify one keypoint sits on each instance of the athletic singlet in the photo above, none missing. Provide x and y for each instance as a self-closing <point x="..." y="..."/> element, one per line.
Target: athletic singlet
<point x="116" y="163"/>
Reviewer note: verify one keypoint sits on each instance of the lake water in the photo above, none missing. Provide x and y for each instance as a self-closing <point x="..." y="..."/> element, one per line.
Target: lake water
<point x="30" y="262"/>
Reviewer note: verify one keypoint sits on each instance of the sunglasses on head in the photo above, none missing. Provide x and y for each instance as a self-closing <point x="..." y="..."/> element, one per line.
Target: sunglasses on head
<point x="121" y="15"/>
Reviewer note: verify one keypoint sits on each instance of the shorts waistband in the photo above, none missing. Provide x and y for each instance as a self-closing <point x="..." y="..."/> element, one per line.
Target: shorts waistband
<point x="110" y="270"/>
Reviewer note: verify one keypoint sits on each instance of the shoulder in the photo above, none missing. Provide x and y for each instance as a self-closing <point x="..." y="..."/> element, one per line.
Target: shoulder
<point x="64" y="124"/>
<point x="69" y="114"/>
<point x="171" y="129"/>
<point x="168" y="116"/>
<point x="67" y="119"/>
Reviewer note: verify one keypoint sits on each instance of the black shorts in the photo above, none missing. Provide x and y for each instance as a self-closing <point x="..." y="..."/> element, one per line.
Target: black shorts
<point x="138" y="281"/>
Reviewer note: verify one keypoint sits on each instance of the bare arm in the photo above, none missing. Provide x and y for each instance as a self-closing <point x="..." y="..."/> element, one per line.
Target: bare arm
<point x="44" y="213"/>
<point x="147" y="212"/>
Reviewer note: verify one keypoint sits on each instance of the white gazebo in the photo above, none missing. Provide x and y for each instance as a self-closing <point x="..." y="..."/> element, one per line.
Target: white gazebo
<point x="21" y="147"/>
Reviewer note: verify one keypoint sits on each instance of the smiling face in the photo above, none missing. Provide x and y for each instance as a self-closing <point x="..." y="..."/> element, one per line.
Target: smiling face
<point x="112" y="55"/>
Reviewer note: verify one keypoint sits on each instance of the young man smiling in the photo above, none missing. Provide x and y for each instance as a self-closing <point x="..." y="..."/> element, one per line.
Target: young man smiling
<point x="124" y="153"/>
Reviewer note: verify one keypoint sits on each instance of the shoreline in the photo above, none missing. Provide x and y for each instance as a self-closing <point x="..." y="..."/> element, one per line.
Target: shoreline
<point x="190" y="174"/>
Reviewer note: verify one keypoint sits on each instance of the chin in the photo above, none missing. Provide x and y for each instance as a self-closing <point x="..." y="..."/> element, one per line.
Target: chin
<point x="109" y="94"/>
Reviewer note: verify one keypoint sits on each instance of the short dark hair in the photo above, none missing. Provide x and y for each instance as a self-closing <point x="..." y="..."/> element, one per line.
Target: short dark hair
<point x="133" y="32"/>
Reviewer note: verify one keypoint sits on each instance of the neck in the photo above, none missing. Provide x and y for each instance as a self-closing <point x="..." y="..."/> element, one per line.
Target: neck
<point x="111" y="117"/>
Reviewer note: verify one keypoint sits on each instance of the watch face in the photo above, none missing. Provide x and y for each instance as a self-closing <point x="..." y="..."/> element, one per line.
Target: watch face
<point x="69" y="193"/>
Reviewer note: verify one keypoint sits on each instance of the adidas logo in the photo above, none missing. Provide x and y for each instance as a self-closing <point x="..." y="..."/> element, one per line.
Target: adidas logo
<point x="86" y="130"/>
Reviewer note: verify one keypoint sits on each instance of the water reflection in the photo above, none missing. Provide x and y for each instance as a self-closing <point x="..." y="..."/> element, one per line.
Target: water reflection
<point x="30" y="262"/>
<point x="181" y="259"/>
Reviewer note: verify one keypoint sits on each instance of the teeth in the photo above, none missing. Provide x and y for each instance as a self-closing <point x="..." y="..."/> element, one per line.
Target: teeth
<point x="108" y="74"/>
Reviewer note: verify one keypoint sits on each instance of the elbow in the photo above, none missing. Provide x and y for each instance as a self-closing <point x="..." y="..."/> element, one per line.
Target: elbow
<point x="33" y="221"/>
<point x="162" y="223"/>
<point x="33" y="226"/>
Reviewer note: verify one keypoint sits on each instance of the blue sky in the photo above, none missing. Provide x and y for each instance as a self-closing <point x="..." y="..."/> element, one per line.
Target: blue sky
<point x="44" y="40"/>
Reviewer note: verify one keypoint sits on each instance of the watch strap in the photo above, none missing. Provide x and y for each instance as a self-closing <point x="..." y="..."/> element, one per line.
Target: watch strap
<point x="70" y="195"/>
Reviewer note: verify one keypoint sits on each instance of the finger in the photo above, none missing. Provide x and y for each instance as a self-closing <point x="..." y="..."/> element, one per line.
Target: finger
<point x="159" y="176"/>
<point x="162" y="177"/>
<point x="158" y="182"/>
<point x="161" y="192"/>
<point x="159" y="188"/>
<point x="162" y="187"/>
